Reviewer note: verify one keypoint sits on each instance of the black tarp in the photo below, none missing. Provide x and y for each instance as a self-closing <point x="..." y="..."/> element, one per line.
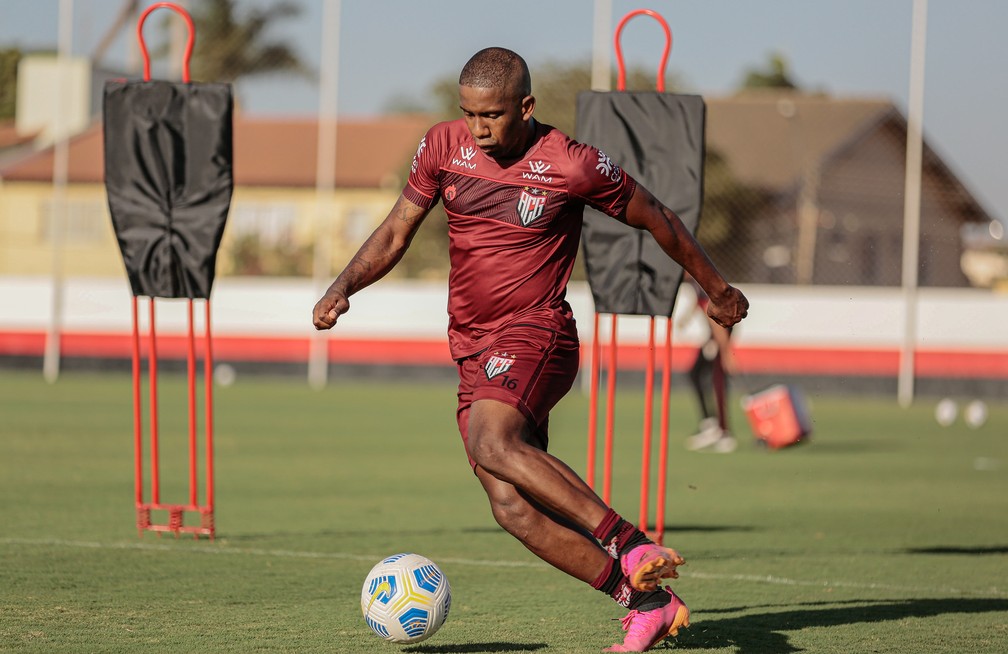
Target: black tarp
<point x="658" y="138"/>
<point x="168" y="176"/>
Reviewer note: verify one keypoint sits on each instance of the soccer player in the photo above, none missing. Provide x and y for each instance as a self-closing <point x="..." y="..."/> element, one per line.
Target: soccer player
<point x="514" y="191"/>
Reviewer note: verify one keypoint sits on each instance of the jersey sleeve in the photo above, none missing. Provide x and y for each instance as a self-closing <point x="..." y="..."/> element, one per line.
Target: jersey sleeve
<point x="598" y="180"/>
<point x="423" y="187"/>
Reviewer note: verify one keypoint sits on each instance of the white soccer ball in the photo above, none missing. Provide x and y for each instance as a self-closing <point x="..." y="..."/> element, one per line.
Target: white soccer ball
<point x="976" y="414"/>
<point x="405" y="598"/>
<point x="946" y="412"/>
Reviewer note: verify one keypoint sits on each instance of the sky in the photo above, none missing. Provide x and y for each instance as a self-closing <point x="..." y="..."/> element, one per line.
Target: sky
<point x="848" y="48"/>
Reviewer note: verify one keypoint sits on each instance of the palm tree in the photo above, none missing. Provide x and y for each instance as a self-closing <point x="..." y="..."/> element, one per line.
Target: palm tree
<point x="230" y="46"/>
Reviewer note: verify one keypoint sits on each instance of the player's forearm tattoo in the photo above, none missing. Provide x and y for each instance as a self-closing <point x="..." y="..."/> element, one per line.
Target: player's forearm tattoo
<point x="361" y="270"/>
<point x="379" y="252"/>
<point x="407" y="214"/>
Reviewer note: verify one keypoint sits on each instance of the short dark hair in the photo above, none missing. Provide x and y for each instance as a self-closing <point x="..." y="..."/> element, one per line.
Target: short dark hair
<point x="497" y="68"/>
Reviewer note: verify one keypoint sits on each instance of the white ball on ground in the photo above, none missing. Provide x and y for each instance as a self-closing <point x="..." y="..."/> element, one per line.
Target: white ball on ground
<point x="975" y="414"/>
<point x="946" y="411"/>
<point x="224" y="374"/>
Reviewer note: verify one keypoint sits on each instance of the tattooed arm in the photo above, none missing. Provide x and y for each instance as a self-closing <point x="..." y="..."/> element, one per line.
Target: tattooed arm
<point x="378" y="255"/>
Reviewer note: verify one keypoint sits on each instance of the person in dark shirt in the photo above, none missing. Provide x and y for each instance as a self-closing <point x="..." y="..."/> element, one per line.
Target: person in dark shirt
<point x="514" y="191"/>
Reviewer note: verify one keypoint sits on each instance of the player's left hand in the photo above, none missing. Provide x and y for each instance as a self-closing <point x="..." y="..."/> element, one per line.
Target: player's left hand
<point x="729" y="308"/>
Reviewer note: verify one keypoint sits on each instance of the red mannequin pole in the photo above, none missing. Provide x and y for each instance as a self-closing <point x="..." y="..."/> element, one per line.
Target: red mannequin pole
<point x="664" y="434"/>
<point x="610" y="417"/>
<point x="648" y="408"/>
<point x="208" y="382"/>
<point x="137" y="418"/>
<point x="152" y="373"/>
<point x="593" y="389"/>
<point x="191" y="380"/>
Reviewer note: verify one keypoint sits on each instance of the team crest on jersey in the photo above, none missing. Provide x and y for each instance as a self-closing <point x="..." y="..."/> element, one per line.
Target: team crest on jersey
<point x="498" y="364"/>
<point x="531" y="203"/>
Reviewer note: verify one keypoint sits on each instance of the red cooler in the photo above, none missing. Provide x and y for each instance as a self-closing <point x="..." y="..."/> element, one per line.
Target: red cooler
<point x="778" y="416"/>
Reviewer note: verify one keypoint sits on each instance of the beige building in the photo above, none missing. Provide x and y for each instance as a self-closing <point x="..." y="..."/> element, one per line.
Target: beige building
<point x="816" y="196"/>
<point x="275" y="204"/>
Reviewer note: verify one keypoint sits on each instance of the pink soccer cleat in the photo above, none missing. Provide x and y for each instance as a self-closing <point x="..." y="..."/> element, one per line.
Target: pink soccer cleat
<point x="646" y="565"/>
<point x="645" y="629"/>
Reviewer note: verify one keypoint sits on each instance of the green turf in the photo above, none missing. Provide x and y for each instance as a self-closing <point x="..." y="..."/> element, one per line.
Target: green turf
<point x="886" y="533"/>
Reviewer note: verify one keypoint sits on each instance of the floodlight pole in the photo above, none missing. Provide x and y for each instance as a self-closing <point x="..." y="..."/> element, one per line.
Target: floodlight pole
<point x="601" y="80"/>
<point x="325" y="181"/>
<point x="601" y="75"/>
<point x="57" y="219"/>
<point x="912" y="201"/>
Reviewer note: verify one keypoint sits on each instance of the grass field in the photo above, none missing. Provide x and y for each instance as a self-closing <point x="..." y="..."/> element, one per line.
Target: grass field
<point x="885" y="533"/>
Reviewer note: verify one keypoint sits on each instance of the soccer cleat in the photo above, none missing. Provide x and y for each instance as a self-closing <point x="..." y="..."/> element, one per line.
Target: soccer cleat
<point x="646" y="565"/>
<point x="645" y="629"/>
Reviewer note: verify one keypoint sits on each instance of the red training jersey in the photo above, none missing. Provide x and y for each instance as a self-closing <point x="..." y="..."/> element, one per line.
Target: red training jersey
<point x="514" y="230"/>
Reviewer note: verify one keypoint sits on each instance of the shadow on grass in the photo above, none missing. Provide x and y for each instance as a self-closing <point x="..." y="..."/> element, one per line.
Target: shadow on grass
<point x="476" y="648"/>
<point x="707" y="529"/>
<point x="854" y="446"/>
<point x="764" y="633"/>
<point x="492" y="530"/>
<point x="951" y="549"/>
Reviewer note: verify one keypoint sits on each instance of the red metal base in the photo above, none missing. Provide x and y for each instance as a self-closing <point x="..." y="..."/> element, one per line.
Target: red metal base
<point x="176" y="520"/>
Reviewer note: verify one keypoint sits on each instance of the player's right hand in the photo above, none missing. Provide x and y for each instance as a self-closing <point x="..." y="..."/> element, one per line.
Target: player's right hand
<point x="329" y="309"/>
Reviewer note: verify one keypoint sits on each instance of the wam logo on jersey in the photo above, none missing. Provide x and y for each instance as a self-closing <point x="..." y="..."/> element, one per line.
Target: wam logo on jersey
<point x="531" y="203"/>
<point x="538" y="173"/>
<point x="464" y="160"/>
<point x="498" y="364"/>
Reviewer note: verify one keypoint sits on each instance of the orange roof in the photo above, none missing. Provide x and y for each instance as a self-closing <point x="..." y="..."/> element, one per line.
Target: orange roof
<point x="284" y="152"/>
<point x="267" y="152"/>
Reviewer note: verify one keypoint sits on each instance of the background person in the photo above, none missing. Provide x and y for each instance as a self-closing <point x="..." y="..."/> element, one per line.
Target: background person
<point x="709" y="376"/>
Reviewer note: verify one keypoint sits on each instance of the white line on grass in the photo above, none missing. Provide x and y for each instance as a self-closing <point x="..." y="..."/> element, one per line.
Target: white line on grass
<point x="300" y="554"/>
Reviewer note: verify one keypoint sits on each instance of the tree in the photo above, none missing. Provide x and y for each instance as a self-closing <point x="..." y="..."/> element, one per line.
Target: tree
<point x="9" y="58"/>
<point x="775" y="76"/>
<point x="229" y="46"/>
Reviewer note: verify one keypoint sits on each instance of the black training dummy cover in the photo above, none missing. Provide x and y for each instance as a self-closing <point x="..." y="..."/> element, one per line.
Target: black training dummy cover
<point x="168" y="178"/>
<point x="658" y="139"/>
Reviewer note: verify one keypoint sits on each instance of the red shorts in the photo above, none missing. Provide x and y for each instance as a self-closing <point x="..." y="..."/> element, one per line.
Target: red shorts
<point x="530" y="368"/>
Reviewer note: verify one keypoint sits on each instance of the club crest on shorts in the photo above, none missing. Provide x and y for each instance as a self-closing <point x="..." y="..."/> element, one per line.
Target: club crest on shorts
<point x="531" y="203"/>
<point x="498" y="364"/>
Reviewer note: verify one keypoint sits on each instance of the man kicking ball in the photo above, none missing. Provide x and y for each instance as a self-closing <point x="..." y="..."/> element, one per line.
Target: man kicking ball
<point x="514" y="191"/>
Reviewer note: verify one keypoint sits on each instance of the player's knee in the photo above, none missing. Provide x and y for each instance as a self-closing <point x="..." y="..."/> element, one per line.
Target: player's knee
<point x="491" y="450"/>
<point x="487" y="453"/>
<point x="513" y="514"/>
